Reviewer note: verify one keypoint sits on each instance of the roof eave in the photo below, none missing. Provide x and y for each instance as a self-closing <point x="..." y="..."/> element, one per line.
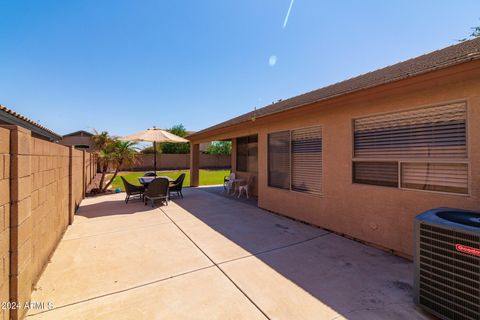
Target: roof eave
<point x="7" y="117"/>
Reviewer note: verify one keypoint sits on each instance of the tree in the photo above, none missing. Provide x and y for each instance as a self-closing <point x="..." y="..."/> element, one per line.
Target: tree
<point x="120" y="153"/>
<point x="220" y="147"/>
<point x="112" y="153"/>
<point x="475" y="33"/>
<point x="168" y="147"/>
<point x="101" y="141"/>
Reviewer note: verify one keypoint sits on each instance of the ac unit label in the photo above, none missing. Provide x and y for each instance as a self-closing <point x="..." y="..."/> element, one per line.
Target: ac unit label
<point x="467" y="249"/>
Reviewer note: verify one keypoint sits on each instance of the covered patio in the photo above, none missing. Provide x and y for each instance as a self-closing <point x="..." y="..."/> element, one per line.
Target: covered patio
<point x="208" y="256"/>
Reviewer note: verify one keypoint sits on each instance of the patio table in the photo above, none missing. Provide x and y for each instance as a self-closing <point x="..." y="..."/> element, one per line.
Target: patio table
<point x="146" y="180"/>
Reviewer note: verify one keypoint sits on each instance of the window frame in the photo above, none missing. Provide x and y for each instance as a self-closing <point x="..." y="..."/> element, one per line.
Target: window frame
<point x="320" y="194"/>
<point x="402" y="160"/>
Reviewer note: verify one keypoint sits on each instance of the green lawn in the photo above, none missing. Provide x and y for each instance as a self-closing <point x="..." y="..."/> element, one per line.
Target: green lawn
<point x="207" y="177"/>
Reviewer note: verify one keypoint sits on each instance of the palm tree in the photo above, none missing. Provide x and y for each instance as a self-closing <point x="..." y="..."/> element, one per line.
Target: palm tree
<point x="102" y="145"/>
<point x="120" y="153"/>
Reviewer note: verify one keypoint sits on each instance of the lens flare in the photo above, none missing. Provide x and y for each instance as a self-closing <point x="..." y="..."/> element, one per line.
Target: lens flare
<point x="272" y="61"/>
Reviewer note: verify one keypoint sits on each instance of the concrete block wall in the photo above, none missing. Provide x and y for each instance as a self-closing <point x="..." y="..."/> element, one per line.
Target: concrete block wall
<point x="41" y="185"/>
<point x="178" y="161"/>
<point x="4" y="218"/>
<point x="78" y="183"/>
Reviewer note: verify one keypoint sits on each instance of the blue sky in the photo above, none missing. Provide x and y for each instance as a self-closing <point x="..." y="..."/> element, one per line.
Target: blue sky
<point x="123" y="66"/>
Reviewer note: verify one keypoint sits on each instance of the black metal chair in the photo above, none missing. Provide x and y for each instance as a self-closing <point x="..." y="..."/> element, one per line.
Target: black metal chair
<point x="156" y="190"/>
<point x="132" y="190"/>
<point x="177" y="185"/>
<point x="149" y="174"/>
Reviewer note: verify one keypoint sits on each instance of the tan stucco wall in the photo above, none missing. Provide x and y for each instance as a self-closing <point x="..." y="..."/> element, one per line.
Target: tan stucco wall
<point x="377" y="215"/>
<point x="37" y="183"/>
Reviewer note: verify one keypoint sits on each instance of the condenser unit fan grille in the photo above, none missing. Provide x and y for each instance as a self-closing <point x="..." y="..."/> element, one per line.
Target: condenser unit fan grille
<point x="449" y="280"/>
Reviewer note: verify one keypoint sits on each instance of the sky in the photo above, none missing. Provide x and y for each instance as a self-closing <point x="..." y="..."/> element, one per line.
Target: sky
<point x="123" y="66"/>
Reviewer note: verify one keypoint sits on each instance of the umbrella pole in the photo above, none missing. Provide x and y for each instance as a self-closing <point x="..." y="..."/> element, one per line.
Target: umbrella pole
<point x="155" y="158"/>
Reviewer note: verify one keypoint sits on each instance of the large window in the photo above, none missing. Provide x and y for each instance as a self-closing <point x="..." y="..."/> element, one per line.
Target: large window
<point x="424" y="149"/>
<point x="295" y="160"/>
<point x="247" y="154"/>
<point x="279" y="159"/>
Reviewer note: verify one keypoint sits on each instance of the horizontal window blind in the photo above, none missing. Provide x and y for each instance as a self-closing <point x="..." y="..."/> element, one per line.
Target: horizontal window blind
<point x="434" y="132"/>
<point x="430" y="133"/>
<point x="307" y="160"/>
<point x="446" y="177"/>
<point x="376" y="173"/>
<point x="279" y="159"/>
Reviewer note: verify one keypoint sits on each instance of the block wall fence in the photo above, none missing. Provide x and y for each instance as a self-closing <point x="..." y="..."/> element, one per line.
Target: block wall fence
<point x="179" y="161"/>
<point x="41" y="186"/>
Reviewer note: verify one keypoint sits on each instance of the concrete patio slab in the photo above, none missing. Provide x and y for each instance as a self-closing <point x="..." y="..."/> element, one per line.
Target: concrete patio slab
<point x="209" y="256"/>
<point x="91" y="266"/>
<point x="327" y="278"/>
<point x="91" y="221"/>
<point x="237" y="232"/>
<point x="182" y="297"/>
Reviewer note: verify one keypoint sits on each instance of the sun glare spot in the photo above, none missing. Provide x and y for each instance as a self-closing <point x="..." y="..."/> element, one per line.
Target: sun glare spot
<point x="272" y="61"/>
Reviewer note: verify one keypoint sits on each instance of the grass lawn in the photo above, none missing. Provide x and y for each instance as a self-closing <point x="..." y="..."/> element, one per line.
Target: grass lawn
<point x="207" y="177"/>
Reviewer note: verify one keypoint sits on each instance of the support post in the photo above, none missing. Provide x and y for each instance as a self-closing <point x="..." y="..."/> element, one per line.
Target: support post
<point x="194" y="164"/>
<point x="155" y="158"/>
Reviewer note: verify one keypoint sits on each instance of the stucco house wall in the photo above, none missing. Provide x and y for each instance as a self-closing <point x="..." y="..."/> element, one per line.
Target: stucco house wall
<point x="377" y="215"/>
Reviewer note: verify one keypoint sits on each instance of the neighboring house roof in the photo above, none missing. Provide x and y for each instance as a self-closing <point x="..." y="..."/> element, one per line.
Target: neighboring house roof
<point x="436" y="60"/>
<point x="79" y="133"/>
<point x="11" y="117"/>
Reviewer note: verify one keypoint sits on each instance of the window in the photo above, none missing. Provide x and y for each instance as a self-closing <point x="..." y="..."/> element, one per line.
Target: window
<point x="247" y="152"/>
<point x="422" y="149"/>
<point x="295" y="160"/>
<point x="279" y="159"/>
<point x="307" y="160"/>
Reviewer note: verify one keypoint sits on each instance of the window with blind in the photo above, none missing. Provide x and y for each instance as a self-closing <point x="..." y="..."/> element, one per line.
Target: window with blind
<point x="307" y="160"/>
<point x="279" y="159"/>
<point x="295" y="160"/>
<point x="423" y="149"/>
<point x="247" y="153"/>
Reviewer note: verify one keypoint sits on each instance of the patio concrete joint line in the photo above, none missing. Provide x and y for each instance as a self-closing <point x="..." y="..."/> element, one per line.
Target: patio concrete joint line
<point x="116" y="231"/>
<point x="120" y="291"/>
<point x="216" y="265"/>
<point x="278" y="248"/>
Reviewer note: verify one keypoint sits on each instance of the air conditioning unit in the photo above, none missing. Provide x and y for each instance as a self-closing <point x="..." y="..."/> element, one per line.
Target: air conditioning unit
<point x="447" y="263"/>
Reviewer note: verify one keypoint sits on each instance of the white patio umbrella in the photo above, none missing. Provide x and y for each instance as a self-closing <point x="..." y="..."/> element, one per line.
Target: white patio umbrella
<point x="154" y="135"/>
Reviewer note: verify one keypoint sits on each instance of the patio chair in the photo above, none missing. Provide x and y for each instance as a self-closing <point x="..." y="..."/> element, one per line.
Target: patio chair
<point x="156" y="190"/>
<point x="228" y="182"/>
<point x="244" y="186"/>
<point x="177" y="185"/>
<point x="149" y="174"/>
<point x="132" y="190"/>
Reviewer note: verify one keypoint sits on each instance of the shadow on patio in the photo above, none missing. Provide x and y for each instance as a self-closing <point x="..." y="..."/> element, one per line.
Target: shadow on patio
<point x="276" y="261"/>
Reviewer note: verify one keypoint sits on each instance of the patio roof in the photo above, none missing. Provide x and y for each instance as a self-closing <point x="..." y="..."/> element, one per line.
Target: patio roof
<point x="450" y="56"/>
